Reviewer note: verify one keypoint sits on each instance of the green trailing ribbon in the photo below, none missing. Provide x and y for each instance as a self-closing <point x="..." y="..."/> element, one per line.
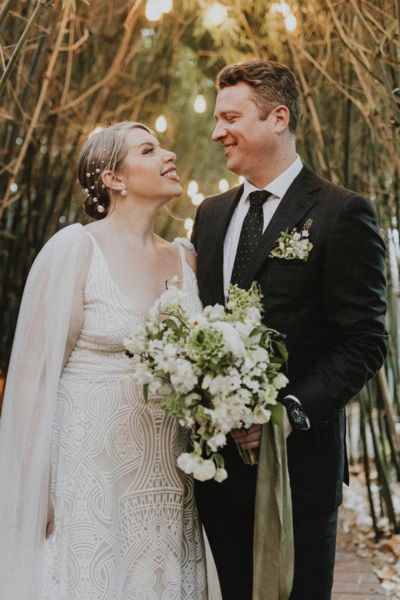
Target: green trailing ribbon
<point x="273" y="530"/>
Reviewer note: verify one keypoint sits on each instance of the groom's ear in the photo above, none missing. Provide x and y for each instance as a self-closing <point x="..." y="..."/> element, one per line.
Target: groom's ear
<point x="281" y="116"/>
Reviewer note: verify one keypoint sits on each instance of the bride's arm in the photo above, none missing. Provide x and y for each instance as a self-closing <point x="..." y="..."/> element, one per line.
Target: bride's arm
<point x="191" y="259"/>
<point x="75" y="327"/>
<point x="76" y="321"/>
<point x="48" y="324"/>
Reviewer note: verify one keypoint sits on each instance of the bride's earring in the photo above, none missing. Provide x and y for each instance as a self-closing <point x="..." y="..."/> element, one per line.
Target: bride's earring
<point x="123" y="192"/>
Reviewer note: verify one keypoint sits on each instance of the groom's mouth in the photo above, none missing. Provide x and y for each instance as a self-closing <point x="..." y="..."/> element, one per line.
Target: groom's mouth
<point x="229" y="147"/>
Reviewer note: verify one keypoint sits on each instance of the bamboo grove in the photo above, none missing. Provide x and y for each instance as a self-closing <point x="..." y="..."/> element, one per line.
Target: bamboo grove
<point x="67" y="67"/>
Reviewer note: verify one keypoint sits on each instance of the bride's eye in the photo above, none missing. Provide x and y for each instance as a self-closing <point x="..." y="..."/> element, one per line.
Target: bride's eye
<point x="148" y="150"/>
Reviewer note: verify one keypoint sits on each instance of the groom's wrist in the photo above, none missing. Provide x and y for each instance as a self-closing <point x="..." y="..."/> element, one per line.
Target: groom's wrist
<point x="296" y="414"/>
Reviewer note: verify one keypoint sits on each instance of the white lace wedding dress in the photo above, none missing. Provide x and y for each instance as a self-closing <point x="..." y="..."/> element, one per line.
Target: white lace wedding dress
<point x="126" y="526"/>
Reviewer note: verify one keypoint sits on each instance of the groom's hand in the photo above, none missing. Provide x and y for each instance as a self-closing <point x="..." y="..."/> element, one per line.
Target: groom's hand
<point x="287" y="428"/>
<point x="251" y="438"/>
<point x="248" y="438"/>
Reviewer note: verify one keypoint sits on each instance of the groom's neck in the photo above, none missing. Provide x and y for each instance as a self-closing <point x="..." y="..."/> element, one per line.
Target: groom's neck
<point x="271" y="166"/>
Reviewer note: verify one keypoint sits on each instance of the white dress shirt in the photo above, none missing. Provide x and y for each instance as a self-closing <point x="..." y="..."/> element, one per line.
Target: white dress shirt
<point x="278" y="189"/>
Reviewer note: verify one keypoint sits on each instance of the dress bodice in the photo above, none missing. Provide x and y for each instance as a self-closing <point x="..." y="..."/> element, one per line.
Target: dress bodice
<point x="108" y="317"/>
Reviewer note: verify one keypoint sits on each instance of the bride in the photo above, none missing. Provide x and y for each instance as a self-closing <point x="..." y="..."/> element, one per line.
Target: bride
<point x="92" y="503"/>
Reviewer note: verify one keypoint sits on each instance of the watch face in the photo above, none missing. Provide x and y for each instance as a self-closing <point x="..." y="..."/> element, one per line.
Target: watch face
<point x="298" y="417"/>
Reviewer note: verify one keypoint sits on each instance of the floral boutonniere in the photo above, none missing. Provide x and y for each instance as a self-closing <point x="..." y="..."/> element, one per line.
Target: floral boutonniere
<point x="294" y="244"/>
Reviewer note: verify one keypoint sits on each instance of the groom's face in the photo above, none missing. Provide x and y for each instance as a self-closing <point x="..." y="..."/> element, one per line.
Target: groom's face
<point x="247" y="139"/>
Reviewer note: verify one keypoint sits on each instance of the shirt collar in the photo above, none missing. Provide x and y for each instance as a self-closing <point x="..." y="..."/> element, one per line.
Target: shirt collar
<point x="280" y="185"/>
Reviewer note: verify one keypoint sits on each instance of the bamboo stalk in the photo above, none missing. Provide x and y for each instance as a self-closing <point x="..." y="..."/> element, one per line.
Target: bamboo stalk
<point x="7" y="6"/>
<point x="20" y="45"/>
<point x="39" y="105"/>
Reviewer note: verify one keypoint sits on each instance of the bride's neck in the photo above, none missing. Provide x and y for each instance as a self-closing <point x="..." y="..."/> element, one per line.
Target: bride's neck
<point x="137" y="222"/>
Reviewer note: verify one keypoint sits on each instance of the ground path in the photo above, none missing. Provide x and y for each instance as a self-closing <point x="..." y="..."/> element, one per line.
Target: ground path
<point x="354" y="578"/>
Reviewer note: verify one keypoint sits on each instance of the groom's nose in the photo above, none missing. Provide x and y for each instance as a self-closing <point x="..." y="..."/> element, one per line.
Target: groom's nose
<point x="219" y="133"/>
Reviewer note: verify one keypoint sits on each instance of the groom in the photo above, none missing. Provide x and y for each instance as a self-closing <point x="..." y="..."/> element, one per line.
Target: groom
<point x="331" y="307"/>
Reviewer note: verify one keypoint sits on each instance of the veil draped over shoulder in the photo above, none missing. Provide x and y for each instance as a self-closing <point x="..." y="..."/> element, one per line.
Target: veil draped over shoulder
<point x="28" y="410"/>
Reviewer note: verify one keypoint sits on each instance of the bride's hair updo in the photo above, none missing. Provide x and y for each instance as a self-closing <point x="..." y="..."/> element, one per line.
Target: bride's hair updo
<point x="104" y="150"/>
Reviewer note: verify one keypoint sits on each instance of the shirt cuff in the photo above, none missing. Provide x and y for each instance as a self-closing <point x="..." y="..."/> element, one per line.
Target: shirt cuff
<point x="298" y="402"/>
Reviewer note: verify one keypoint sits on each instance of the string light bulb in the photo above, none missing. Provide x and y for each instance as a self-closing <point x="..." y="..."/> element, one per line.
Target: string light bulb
<point x="161" y="124"/>
<point x="290" y="23"/>
<point x="215" y="14"/>
<point x="197" y="199"/>
<point x="166" y="5"/>
<point x="96" y="130"/>
<point x="200" y="104"/>
<point x="223" y="185"/>
<point x="154" y="10"/>
<point x="193" y="188"/>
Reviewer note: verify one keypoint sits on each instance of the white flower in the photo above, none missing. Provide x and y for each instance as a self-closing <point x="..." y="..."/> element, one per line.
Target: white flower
<point x="136" y="342"/>
<point x="305" y="233"/>
<point x="198" y="319"/>
<point x="187" y="462"/>
<point x="187" y="422"/>
<point x="253" y="315"/>
<point x="215" y="312"/>
<point x="296" y="236"/>
<point x="182" y="376"/>
<point x="232" y="339"/>
<point x="244" y="329"/>
<point x="172" y="298"/>
<point x="259" y="355"/>
<point x="280" y="381"/>
<point x="142" y="374"/>
<point x="261" y="414"/>
<point x="175" y="280"/>
<point x="155" y="386"/>
<point x="217" y="441"/>
<point x="165" y="359"/>
<point x="204" y="470"/>
<point x="220" y="475"/>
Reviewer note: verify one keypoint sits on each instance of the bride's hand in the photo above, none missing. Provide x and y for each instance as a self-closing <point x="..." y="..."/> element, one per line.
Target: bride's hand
<point x="50" y="518"/>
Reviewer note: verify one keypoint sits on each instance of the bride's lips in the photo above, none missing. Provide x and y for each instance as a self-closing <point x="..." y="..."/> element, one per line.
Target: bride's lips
<point x="170" y="173"/>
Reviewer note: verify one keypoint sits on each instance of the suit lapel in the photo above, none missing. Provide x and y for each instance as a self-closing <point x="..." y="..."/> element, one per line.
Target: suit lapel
<point x="214" y="273"/>
<point x="294" y="205"/>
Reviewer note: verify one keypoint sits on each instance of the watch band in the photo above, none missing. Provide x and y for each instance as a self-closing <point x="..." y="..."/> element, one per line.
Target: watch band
<point x="296" y="415"/>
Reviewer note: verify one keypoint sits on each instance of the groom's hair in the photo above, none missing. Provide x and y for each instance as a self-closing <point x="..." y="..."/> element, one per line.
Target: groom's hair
<point x="272" y="84"/>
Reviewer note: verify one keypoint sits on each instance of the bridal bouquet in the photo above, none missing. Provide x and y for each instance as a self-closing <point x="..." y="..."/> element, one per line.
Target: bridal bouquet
<point x="219" y="369"/>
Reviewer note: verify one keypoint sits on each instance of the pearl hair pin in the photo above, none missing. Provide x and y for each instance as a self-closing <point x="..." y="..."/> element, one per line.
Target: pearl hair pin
<point x="100" y="208"/>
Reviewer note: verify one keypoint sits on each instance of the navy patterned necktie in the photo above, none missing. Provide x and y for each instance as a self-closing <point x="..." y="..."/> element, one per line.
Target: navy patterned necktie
<point x="252" y="230"/>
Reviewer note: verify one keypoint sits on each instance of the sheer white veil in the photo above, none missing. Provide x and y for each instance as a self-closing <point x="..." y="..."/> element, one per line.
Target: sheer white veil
<point x="28" y="411"/>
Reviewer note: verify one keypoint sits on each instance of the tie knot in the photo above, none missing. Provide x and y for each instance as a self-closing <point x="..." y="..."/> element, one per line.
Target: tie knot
<point x="258" y="198"/>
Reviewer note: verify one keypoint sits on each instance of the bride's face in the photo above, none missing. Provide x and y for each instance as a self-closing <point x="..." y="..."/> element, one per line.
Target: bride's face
<point x="148" y="171"/>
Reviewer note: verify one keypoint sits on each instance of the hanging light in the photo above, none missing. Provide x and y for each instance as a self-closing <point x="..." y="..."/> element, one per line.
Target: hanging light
<point x="96" y="130"/>
<point x="290" y="22"/>
<point x="281" y="7"/>
<point x="197" y="199"/>
<point x="215" y="14"/>
<point x="193" y="188"/>
<point x="200" y="104"/>
<point x="223" y="185"/>
<point x="161" y="124"/>
<point x="241" y="179"/>
<point x="154" y="10"/>
<point x="166" y="5"/>
<point x="188" y="224"/>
